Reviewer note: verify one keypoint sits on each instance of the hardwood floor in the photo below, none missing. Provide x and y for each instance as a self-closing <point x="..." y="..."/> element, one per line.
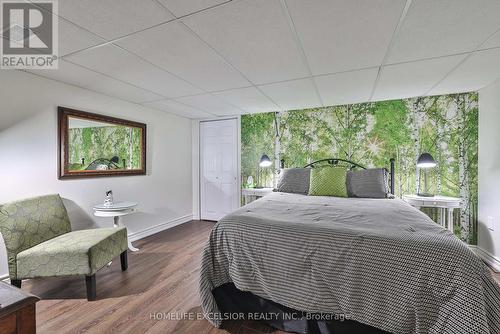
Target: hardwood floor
<point x="161" y="278"/>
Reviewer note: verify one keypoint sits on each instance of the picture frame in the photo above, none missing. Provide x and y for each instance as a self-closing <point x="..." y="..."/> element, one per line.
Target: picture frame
<point x="92" y="165"/>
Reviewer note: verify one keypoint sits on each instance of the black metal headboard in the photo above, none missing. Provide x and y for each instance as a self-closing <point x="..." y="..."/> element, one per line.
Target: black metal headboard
<point x="350" y="165"/>
<point x="335" y="161"/>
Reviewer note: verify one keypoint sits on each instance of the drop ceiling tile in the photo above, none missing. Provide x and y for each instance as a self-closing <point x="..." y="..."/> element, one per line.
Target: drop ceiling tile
<point x="253" y="35"/>
<point x="493" y="41"/>
<point x="177" y="108"/>
<point x="291" y="95"/>
<point x="112" y="19"/>
<point x="173" y="47"/>
<point x="79" y="76"/>
<point x="436" y="28"/>
<point x="413" y="79"/>
<point x="185" y="7"/>
<point x="249" y="99"/>
<point x="120" y="64"/>
<point x="347" y="87"/>
<point x="73" y="38"/>
<point x="210" y="104"/>
<point x="339" y="35"/>
<point x="478" y="71"/>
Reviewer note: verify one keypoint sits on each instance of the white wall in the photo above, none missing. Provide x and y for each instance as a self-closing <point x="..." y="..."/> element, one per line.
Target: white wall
<point x="489" y="172"/>
<point x="28" y="156"/>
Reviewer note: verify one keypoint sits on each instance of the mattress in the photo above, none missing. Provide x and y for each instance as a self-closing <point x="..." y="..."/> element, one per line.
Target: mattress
<point x="380" y="262"/>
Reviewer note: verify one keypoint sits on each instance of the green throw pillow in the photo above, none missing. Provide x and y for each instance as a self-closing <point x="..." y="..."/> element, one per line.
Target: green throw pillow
<point x="328" y="181"/>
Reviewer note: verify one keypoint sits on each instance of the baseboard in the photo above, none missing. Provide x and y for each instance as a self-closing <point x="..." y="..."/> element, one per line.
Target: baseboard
<point x="490" y="259"/>
<point x="158" y="228"/>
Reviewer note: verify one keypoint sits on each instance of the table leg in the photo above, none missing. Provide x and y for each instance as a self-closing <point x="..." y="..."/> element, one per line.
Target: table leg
<point x="117" y="223"/>
<point x="442" y="217"/>
<point x="450" y="220"/>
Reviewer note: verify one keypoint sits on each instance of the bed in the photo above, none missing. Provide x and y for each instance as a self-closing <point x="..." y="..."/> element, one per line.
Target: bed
<point x="379" y="263"/>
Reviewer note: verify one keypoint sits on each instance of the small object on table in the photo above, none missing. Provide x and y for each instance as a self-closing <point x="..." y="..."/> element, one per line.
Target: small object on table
<point x="445" y="204"/>
<point x="116" y="210"/>
<point x="17" y="311"/>
<point x="108" y="200"/>
<point x="250" y="183"/>
<point x="251" y="194"/>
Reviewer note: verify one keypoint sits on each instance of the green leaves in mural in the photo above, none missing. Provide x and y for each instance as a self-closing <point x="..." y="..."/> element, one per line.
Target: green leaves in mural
<point x="258" y="139"/>
<point x="92" y="143"/>
<point x="371" y="134"/>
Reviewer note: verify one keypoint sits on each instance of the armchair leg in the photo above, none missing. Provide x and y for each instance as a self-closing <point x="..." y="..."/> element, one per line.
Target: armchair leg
<point x="16" y="283"/>
<point x="124" y="260"/>
<point x="91" y="289"/>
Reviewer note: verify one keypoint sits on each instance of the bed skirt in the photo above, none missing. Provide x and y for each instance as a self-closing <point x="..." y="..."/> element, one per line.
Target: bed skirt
<point x="233" y="302"/>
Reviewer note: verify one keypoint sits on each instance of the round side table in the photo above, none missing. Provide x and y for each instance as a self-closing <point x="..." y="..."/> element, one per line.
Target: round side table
<point x="116" y="211"/>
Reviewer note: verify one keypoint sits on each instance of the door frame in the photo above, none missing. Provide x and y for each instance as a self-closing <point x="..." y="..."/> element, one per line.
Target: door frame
<point x="197" y="172"/>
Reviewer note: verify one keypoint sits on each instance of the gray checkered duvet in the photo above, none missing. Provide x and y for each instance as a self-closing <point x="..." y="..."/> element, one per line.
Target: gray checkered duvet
<point x="377" y="261"/>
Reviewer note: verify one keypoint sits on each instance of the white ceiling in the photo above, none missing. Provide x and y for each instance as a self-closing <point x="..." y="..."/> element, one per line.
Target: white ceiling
<point x="205" y="58"/>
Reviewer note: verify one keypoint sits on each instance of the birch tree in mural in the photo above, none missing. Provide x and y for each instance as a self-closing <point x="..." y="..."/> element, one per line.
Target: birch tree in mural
<point x="305" y="136"/>
<point x="353" y="124"/>
<point x="394" y="141"/>
<point x="297" y="138"/>
<point x="277" y="145"/>
<point x="440" y="112"/>
<point x="416" y="108"/>
<point x="464" y="105"/>
<point x="463" y="175"/>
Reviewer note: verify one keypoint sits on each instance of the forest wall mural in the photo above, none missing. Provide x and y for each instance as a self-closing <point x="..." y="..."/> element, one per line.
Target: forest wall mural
<point x="372" y="133"/>
<point x="91" y="143"/>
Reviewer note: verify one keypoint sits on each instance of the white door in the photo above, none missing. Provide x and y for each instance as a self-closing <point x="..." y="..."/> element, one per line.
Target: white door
<point x="219" y="168"/>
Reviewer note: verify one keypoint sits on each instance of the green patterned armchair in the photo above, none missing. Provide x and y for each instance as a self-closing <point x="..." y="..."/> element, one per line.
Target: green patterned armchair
<point x="39" y="241"/>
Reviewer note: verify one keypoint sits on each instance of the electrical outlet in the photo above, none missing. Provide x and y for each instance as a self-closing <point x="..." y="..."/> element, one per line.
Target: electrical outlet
<point x="491" y="223"/>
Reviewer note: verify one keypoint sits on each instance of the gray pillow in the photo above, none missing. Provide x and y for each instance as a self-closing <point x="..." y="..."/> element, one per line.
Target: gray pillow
<point x="368" y="183"/>
<point x="294" y="180"/>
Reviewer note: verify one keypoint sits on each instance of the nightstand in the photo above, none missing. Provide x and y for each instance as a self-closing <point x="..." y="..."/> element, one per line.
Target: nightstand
<point x="251" y="194"/>
<point x="445" y="204"/>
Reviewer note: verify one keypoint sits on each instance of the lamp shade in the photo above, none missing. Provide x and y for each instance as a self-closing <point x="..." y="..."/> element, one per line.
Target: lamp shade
<point x="425" y="160"/>
<point x="265" y="161"/>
